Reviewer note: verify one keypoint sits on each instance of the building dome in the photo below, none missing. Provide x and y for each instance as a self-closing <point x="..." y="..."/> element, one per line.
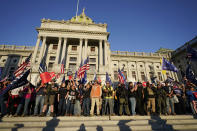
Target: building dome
<point x="82" y="18"/>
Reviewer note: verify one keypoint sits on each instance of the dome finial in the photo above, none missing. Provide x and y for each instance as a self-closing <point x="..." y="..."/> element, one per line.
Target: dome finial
<point x="83" y="13"/>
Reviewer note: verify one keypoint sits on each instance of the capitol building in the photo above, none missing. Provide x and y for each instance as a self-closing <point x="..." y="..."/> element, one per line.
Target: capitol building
<point x="76" y="39"/>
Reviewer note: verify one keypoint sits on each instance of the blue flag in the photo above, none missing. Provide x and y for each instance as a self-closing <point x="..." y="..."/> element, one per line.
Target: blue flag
<point x="166" y="65"/>
<point x="43" y="66"/>
<point x="190" y="75"/>
<point x="17" y="82"/>
<point x="191" y="53"/>
<point x="84" y="79"/>
<point x="75" y="77"/>
<point x="95" y="77"/>
<point x="63" y="80"/>
<point x="108" y="78"/>
<point x="0" y="72"/>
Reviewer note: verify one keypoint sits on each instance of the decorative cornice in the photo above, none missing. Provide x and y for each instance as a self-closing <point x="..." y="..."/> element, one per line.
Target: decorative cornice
<point x="69" y="22"/>
<point x="75" y="31"/>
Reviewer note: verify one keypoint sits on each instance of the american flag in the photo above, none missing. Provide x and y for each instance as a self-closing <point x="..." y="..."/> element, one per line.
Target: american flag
<point x="23" y="66"/>
<point x="83" y="68"/>
<point x="43" y="67"/>
<point x="63" y="65"/>
<point x="121" y="76"/>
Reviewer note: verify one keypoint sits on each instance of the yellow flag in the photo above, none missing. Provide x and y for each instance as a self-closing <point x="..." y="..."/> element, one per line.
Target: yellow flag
<point x="163" y="71"/>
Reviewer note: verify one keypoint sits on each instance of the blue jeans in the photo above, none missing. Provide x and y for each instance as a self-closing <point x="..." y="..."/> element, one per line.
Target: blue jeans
<point x="39" y="103"/>
<point x="62" y="106"/>
<point x="70" y="107"/>
<point x="77" y="108"/>
<point x="133" y="105"/>
<point x="111" y="105"/>
<point x="86" y="106"/>
<point x="3" y="106"/>
<point x="170" y="104"/>
<point x="26" y="102"/>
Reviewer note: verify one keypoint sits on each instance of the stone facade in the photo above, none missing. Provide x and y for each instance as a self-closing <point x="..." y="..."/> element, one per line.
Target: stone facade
<point x="74" y="40"/>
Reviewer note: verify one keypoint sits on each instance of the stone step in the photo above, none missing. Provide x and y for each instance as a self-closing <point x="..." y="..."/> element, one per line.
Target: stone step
<point x="106" y="123"/>
<point x="95" y="122"/>
<point x="177" y="117"/>
<point x="103" y="128"/>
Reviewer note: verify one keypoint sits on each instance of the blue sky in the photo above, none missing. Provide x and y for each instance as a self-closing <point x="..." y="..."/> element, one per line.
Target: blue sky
<point x="134" y="25"/>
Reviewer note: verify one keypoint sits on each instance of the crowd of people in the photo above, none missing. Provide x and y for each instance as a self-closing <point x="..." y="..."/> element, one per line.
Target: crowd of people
<point x="71" y="98"/>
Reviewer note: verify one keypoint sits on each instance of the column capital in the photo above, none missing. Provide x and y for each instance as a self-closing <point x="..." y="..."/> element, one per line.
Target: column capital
<point x="38" y="37"/>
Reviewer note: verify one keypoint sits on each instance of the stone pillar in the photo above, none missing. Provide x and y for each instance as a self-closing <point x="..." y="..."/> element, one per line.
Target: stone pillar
<point x="36" y="50"/>
<point x="58" y="51"/>
<point x="64" y="49"/>
<point x="42" y="49"/>
<point x="105" y="43"/>
<point x="138" y="76"/>
<point x="85" y="50"/>
<point x="100" y="53"/>
<point x="80" y="50"/>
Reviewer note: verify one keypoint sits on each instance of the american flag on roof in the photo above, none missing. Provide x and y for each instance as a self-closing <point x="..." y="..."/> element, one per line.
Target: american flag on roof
<point x="121" y="76"/>
<point x="63" y="65"/>
<point x="23" y="66"/>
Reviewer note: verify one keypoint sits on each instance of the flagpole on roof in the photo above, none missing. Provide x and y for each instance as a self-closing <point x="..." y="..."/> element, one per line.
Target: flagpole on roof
<point x="77" y="8"/>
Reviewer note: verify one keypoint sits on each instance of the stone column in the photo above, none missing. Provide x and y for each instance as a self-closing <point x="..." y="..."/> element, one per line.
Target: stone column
<point x="58" y="51"/>
<point x="64" y="49"/>
<point x="100" y="53"/>
<point x="36" y="50"/>
<point x="42" y="49"/>
<point x="138" y="76"/>
<point x="80" y="50"/>
<point x="85" y="50"/>
<point x="105" y="43"/>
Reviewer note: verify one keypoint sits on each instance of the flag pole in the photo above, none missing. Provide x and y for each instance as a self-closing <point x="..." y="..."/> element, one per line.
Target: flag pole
<point x="77" y="9"/>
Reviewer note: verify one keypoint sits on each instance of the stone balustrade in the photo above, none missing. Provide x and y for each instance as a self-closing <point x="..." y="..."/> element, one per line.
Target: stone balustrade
<point x="14" y="47"/>
<point x="126" y="53"/>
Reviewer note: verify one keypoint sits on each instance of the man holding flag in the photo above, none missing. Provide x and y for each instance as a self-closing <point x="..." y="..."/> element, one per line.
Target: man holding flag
<point x="108" y="94"/>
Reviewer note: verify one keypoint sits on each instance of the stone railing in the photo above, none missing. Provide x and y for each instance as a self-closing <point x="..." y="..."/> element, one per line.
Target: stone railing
<point x="126" y="53"/>
<point x="14" y="47"/>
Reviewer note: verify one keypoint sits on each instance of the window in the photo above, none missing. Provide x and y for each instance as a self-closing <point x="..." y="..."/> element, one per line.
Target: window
<point x="151" y="74"/>
<point x="92" y="49"/>
<point x="52" y="58"/>
<point x="14" y="61"/>
<point x="73" y="58"/>
<point x="160" y="76"/>
<point x="72" y="66"/>
<point x="55" y="46"/>
<point x="74" y="48"/>
<point x="141" y="66"/>
<point x="50" y="66"/>
<point x="132" y="66"/>
<point x="92" y="59"/>
<point x="4" y="60"/>
<point x="143" y="76"/>
<point x="134" y="75"/>
<point x="92" y="67"/>
<point x="167" y="74"/>
<point x="11" y="71"/>
<point x="115" y="65"/>
<point x="157" y="67"/>
<point x="115" y="75"/>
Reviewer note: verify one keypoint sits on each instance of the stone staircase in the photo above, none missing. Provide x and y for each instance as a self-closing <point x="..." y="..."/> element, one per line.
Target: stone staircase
<point x="101" y="123"/>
